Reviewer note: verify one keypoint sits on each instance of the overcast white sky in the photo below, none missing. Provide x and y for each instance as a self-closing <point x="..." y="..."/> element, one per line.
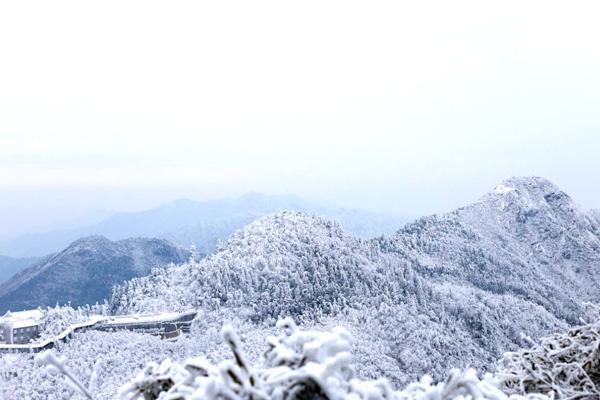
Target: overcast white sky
<point x="405" y="107"/>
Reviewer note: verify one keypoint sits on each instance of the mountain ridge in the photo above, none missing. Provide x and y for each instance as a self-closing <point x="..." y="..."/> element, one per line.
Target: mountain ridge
<point x="456" y="289"/>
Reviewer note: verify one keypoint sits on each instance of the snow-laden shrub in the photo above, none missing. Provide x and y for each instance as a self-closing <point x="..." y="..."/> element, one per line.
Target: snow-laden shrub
<point x="567" y="364"/>
<point x="57" y="319"/>
<point x="297" y="365"/>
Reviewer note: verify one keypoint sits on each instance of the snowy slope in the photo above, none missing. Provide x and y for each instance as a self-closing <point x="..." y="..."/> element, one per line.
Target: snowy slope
<point x="85" y="272"/>
<point x="596" y="214"/>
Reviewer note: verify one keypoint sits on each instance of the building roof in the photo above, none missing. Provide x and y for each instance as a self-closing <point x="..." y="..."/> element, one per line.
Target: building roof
<point x="22" y="319"/>
<point x="25" y="314"/>
<point x="24" y="323"/>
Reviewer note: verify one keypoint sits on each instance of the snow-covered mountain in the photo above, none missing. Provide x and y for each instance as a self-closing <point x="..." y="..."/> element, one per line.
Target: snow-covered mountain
<point x="85" y="272"/>
<point x="526" y="238"/>
<point x="203" y="224"/>
<point x="284" y="262"/>
<point x="451" y="290"/>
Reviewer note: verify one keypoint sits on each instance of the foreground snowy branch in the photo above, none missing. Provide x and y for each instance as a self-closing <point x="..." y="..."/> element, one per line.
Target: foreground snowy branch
<point x="567" y="364"/>
<point x="57" y="365"/>
<point x="297" y="365"/>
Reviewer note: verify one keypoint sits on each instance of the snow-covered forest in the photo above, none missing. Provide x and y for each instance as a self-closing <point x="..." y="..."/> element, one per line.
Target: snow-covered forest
<point x="452" y="290"/>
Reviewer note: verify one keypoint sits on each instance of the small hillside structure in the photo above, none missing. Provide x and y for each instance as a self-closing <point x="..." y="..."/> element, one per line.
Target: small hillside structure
<point x="20" y="327"/>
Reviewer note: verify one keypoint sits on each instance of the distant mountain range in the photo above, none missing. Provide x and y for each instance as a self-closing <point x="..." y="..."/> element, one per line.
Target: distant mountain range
<point x="85" y="272"/>
<point x="451" y="290"/>
<point x="203" y="224"/>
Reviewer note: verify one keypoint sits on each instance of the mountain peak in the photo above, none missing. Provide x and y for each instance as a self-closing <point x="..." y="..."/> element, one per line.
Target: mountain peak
<point x="92" y="241"/>
<point x="534" y="212"/>
<point x="529" y="184"/>
<point x="285" y="221"/>
<point x="530" y="192"/>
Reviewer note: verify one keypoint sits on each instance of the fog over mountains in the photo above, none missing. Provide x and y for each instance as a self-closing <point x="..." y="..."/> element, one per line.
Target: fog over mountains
<point x="450" y="290"/>
<point x="9" y="266"/>
<point x="93" y="263"/>
<point x="203" y="224"/>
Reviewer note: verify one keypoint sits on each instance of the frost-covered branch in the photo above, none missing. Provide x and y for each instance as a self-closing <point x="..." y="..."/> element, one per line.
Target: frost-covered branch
<point x="566" y="364"/>
<point x="57" y="365"/>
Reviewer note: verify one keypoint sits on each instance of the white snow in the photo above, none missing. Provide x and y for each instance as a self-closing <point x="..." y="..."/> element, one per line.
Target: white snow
<point x="503" y="189"/>
<point x="24" y="323"/>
